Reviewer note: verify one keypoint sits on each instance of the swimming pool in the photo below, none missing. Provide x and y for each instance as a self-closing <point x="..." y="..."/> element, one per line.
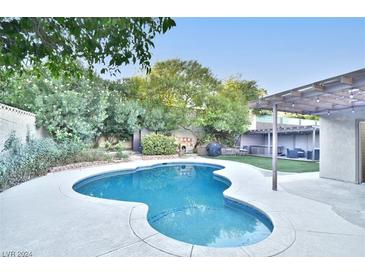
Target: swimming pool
<point x="185" y="202"/>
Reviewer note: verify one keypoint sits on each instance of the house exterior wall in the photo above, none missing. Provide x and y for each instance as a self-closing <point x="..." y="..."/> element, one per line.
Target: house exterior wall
<point x="290" y="140"/>
<point x="339" y="149"/>
<point x="14" y="119"/>
<point x="265" y="122"/>
<point x="293" y="140"/>
<point x="286" y="140"/>
<point x="252" y="139"/>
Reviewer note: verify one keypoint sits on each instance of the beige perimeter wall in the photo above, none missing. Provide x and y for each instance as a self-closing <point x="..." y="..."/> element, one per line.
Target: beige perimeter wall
<point x="15" y="119"/>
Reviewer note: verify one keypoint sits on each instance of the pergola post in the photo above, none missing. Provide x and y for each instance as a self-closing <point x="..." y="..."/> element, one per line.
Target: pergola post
<point x="313" y="143"/>
<point x="268" y="143"/>
<point x="274" y="147"/>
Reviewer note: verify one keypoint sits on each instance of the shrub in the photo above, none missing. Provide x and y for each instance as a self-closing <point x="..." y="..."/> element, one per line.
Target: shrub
<point x="12" y="143"/>
<point x="158" y="144"/>
<point x="121" y="155"/>
<point x="119" y="146"/>
<point x="21" y="162"/>
<point x="26" y="162"/>
<point x="91" y="155"/>
<point x="108" y="145"/>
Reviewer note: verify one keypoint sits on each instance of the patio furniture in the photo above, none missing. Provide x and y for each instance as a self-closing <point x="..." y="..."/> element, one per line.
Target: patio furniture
<point x="230" y="151"/>
<point x="301" y="152"/>
<point x="316" y="154"/>
<point x="291" y="153"/>
<point x="295" y="153"/>
<point x="310" y="154"/>
<point x="243" y="151"/>
<point x="264" y="150"/>
<point x="281" y="151"/>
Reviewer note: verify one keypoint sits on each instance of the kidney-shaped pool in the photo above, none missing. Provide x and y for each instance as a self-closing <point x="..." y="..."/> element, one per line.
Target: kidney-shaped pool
<point x="185" y="202"/>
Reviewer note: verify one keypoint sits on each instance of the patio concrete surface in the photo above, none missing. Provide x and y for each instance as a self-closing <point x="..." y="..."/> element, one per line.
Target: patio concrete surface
<point x="311" y="216"/>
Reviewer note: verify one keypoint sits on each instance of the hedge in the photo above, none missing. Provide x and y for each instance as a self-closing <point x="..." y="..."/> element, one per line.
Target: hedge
<point x="158" y="144"/>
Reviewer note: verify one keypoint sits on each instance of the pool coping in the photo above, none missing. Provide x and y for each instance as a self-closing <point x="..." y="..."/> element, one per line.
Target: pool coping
<point x="281" y="238"/>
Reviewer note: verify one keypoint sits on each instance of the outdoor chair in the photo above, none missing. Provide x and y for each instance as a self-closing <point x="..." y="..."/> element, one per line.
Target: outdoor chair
<point x="300" y="152"/>
<point x="291" y="153"/>
<point x="295" y="153"/>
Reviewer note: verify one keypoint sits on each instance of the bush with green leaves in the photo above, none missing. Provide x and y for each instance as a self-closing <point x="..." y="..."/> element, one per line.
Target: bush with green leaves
<point x="12" y="143"/>
<point x="66" y="108"/>
<point x="121" y="155"/>
<point x="158" y="144"/>
<point x="21" y="162"/>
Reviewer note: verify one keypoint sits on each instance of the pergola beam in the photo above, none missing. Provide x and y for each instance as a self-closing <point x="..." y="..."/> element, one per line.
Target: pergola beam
<point x="285" y="130"/>
<point x="308" y="91"/>
<point x="305" y="102"/>
<point x="318" y="87"/>
<point x="346" y="80"/>
<point x="323" y="101"/>
<point x="291" y="106"/>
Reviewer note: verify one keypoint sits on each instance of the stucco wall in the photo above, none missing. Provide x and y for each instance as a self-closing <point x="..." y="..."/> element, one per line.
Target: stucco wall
<point x="291" y="141"/>
<point x="254" y="139"/>
<point x="303" y="141"/>
<point x="15" y="119"/>
<point x="338" y="145"/>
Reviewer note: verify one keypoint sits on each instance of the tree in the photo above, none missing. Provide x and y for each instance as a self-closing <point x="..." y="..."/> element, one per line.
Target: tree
<point x="126" y="117"/>
<point x="59" y="43"/>
<point x="226" y="114"/>
<point x="66" y="108"/>
<point x="249" y="89"/>
<point x="172" y="92"/>
<point x="302" y="116"/>
<point x="179" y="93"/>
<point x="182" y="84"/>
<point x="175" y="94"/>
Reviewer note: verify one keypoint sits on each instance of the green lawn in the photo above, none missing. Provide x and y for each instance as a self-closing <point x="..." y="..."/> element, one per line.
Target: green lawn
<point x="265" y="163"/>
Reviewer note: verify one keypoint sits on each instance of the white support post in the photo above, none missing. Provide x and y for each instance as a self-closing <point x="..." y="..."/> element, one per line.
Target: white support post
<point x="313" y="143"/>
<point x="268" y="143"/>
<point x="274" y="147"/>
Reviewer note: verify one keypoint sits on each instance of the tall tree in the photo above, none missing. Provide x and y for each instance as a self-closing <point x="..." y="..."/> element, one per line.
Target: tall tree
<point x="172" y="92"/>
<point x="226" y="114"/>
<point x="58" y="43"/>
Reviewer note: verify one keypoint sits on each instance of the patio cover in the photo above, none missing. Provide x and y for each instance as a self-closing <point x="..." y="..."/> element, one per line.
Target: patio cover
<point x="283" y="130"/>
<point x="346" y="91"/>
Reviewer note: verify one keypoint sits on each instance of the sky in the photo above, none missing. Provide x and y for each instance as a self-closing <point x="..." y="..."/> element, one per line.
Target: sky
<point x="279" y="53"/>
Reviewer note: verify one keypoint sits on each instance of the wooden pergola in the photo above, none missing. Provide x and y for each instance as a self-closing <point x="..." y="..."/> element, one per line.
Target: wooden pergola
<point x="346" y="91"/>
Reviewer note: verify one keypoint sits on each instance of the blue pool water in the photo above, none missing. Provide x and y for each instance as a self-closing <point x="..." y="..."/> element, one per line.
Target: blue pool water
<point x="185" y="203"/>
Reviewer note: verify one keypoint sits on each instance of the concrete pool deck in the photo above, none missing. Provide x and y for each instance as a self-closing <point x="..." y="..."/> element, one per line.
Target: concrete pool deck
<point x="311" y="216"/>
